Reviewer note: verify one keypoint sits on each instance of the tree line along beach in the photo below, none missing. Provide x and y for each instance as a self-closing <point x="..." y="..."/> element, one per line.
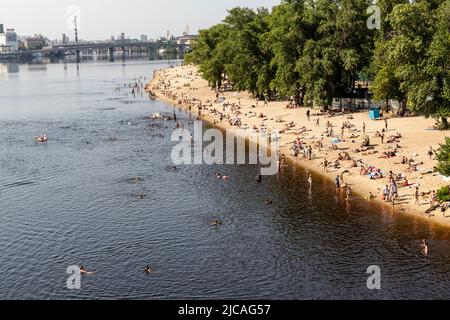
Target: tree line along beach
<point x="398" y="147"/>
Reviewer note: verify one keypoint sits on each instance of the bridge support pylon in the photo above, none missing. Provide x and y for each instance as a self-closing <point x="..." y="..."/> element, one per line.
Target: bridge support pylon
<point x="111" y="54"/>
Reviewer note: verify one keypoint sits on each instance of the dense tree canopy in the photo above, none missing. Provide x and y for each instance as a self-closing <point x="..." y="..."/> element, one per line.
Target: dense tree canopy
<point x="314" y="51"/>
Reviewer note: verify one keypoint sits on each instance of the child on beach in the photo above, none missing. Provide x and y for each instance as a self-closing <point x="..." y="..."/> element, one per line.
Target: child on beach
<point x="394" y="192"/>
<point x="386" y="193"/>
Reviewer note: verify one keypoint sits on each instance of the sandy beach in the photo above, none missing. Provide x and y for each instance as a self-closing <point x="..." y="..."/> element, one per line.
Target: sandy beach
<point x="403" y="151"/>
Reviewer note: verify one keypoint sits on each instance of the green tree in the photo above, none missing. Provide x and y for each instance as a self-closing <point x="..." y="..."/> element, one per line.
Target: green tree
<point x="287" y="36"/>
<point x="207" y="54"/>
<point x="430" y="91"/>
<point x="400" y="56"/>
<point x="443" y="157"/>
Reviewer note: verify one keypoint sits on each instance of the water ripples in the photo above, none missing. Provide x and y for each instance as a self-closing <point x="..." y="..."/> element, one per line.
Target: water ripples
<point x="76" y="200"/>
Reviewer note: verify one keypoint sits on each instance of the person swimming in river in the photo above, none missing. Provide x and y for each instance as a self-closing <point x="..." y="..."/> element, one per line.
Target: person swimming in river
<point x="83" y="271"/>
<point x="259" y="178"/>
<point x="269" y="201"/>
<point x="148" y="270"/>
<point x="220" y="176"/>
<point x="338" y="182"/>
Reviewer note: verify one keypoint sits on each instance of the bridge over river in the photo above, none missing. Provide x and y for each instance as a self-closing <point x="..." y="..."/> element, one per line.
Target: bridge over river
<point x="89" y="48"/>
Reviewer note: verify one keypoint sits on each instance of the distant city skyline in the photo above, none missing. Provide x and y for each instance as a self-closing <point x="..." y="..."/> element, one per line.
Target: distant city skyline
<point x="101" y="19"/>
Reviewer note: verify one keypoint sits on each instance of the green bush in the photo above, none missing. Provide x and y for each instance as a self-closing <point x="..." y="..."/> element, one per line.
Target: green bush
<point x="443" y="193"/>
<point x="443" y="157"/>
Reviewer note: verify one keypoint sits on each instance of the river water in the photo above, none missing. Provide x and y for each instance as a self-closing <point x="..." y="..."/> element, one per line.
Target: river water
<point x="73" y="201"/>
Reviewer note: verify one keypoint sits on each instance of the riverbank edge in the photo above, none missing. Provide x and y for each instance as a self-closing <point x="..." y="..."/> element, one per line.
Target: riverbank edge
<point x="358" y="190"/>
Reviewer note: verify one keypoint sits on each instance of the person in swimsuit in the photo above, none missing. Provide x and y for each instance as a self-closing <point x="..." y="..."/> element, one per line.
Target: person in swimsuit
<point x="84" y="271"/>
<point x="148" y="270"/>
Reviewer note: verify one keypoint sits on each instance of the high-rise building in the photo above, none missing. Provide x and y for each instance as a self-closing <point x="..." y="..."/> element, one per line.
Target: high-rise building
<point x="8" y="40"/>
<point x="34" y="43"/>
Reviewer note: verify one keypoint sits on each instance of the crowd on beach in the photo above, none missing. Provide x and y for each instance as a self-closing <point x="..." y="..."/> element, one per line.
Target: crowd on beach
<point x="135" y="88"/>
<point x="345" y="148"/>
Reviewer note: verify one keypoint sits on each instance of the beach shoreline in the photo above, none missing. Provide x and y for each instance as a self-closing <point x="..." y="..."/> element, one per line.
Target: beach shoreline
<point x="183" y="87"/>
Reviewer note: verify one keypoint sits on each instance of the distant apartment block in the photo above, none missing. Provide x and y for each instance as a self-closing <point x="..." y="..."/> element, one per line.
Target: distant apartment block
<point x="8" y="40"/>
<point x="186" y="39"/>
<point x="34" y="43"/>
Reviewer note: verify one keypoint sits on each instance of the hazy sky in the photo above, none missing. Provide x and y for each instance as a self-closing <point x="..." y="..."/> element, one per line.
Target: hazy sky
<point x="99" y="19"/>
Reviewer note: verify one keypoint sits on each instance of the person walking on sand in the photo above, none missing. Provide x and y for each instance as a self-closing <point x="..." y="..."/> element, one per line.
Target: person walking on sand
<point x="417" y="196"/>
<point x="425" y="248"/>
<point x="430" y="153"/>
<point x="310" y="181"/>
<point x="308" y="115"/>
<point x="382" y="138"/>
<point x="386" y="125"/>
<point x="338" y="182"/>
<point x="325" y="165"/>
<point x="364" y="127"/>
<point x="318" y="122"/>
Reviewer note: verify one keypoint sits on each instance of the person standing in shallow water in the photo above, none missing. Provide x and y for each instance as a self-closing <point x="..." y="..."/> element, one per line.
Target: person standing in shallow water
<point x="338" y="182"/>
<point x="349" y="193"/>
